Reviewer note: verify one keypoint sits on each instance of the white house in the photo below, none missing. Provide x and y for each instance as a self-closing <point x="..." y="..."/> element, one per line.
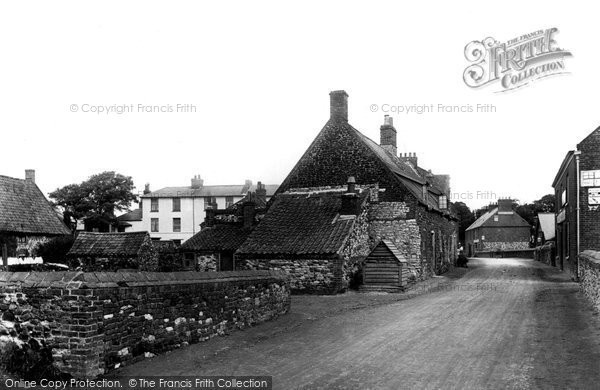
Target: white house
<point x="175" y="213"/>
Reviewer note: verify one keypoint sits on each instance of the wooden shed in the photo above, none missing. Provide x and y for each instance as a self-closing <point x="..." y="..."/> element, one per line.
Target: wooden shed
<point x="385" y="269"/>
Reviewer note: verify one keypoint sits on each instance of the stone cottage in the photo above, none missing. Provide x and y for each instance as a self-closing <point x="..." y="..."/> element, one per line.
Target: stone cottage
<point x="400" y="201"/>
<point x="26" y="218"/>
<point x="113" y="251"/>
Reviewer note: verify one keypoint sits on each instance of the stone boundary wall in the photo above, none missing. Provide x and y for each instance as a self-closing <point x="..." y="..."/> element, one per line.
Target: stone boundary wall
<point x="520" y="254"/>
<point x="589" y="276"/>
<point x="95" y="322"/>
<point x="546" y="254"/>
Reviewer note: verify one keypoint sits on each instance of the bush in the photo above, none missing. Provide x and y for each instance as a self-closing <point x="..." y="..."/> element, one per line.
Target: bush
<point x="55" y="250"/>
<point x="29" y="361"/>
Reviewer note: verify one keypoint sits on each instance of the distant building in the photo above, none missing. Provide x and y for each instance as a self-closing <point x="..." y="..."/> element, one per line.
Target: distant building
<point x="500" y="229"/>
<point x="26" y="218"/>
<point x="577" y="190"/>
<point x="176" y="213"/>
<point x="130" y="222"/>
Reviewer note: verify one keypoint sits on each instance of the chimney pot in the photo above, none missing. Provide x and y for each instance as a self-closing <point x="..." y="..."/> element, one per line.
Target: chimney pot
<point x="30" y="175"/>
<point x="338" y="106"/>
<point x="197" y="182"/>
<point x="147" y="188"/>
<point x="388" y="120"/>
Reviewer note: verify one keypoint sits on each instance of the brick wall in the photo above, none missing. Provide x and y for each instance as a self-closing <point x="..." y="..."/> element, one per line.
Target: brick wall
<point x="590" y="214"/>
<point x="96" y="322"/>
<point x="589" y="276"/>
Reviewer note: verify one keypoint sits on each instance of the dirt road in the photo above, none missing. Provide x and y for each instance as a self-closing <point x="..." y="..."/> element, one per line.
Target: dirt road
<point x="504" y="323"/>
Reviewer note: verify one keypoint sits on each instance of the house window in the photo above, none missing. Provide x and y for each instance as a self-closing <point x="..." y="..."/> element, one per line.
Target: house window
<point x="154" y="204"/>
<point x="154" y="224"/>
<point x="176" y="204"/>
<point x="495" y="218"/>
<point x="228" y="201"/>
<point x="443" y="202"/>
<point x="176" y="225"/>
<point x="208" y="201"/>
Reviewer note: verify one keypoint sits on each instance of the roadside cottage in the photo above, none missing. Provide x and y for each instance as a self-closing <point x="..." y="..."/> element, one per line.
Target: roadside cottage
<point x="114" y="251"/>
<point x="26" y="218"/>
<point x="345" y="194"/>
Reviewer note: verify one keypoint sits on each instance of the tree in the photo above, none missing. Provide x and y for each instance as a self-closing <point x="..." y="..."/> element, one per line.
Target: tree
<point x="96" y="198"/>
<point x="465" y="218"/>
<point x="529" y="211"/>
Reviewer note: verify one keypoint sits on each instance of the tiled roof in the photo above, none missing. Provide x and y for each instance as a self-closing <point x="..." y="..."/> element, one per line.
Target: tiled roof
<point x="224" y="237"/>
<point x="300" y="225"/>
<point x="135" y="215"/>
<point x="390" y="245"/>
<point x="504" y="220"/>
<point x="224" y="190"/>
<point x="107" y="244"/>
<point x="394" y="163"/>
<point x="24" y="209"/>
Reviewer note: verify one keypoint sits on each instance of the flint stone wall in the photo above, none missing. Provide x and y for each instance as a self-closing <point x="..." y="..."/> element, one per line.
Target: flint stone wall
<point x="96" y="322"/>
<point x="589" y="276"/>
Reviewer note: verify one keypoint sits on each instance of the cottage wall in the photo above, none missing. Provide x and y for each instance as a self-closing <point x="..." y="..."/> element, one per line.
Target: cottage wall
<point x="322" y="275"/>
<point x="96" y="322"/>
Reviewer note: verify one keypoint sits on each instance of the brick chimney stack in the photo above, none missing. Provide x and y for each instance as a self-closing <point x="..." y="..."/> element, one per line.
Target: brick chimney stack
<point x="388" y="133"/>
<point x="147" y="189"/>
<point x="505" y="206"/>
<point x="338" y="106"/>
<point x="248" y="210"/>
<point x="30" y="175"/>
<point x="197" y="182"/>
<point x="410" y="158"/>
<point x="261" y="193"/>
<point x="350" y="199"/>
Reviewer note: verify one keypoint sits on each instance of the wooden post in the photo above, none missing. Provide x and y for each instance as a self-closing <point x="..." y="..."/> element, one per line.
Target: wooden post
<point x="4" y="255"/>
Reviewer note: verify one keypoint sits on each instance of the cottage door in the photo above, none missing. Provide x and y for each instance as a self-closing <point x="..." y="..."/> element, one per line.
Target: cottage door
<point x="226" y="261"/>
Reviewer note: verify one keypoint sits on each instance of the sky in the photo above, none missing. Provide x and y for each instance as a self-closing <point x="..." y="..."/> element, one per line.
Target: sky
<point x="258" y="76"/>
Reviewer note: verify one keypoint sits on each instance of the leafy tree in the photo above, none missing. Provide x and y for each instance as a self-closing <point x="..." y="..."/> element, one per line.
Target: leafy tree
<point x="465" y="218"/>
<point x="96" y="198"/>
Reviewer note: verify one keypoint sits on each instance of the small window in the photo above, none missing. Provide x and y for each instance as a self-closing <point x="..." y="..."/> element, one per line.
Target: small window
<point x="443" y="202"/>
<point x="154" y="204"/>
<point x="495" y="218"/>
<point x="176" y="204"/>
<point x="177" y="225"/>
<point x="228" y="201"/>
<point x="154" y="224"/>
<point x="208" y="201"/>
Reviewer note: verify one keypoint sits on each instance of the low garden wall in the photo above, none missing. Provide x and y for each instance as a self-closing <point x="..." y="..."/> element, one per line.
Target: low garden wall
<point x="589" y="276"/>
<point x="94" y="322"/>
<point x="546" y="254"/>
